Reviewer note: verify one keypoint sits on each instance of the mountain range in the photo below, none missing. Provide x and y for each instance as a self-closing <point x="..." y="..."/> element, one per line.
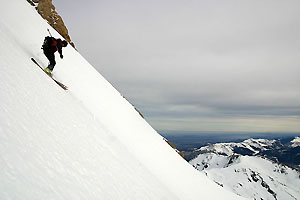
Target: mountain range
<point x="255" y="168"/>
<point x="285" y="151"/>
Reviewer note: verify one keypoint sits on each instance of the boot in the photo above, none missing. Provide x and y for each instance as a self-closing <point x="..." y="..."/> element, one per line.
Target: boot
<point x="48" y="71"/>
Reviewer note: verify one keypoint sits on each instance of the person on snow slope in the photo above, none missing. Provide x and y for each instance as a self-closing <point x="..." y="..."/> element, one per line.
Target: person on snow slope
<point x="50" y="46"/>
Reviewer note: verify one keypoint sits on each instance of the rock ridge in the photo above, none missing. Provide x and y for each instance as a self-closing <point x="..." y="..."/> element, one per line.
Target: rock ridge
<point x="47" y="10"/>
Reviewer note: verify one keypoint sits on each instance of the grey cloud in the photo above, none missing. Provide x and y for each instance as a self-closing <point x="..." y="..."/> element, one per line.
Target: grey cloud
<point x="189" y="59"/>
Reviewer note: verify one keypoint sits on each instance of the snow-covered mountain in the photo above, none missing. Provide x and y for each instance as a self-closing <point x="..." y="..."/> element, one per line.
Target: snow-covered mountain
<point x="249" y="176"/>
<point x="285" y="151"/>
<point x="252" y="146"/>
<point x="84" y="143"/>
<point x="295" y="142"/>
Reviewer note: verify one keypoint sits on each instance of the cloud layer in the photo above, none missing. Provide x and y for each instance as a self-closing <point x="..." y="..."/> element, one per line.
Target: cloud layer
<point x="197" y="65"/>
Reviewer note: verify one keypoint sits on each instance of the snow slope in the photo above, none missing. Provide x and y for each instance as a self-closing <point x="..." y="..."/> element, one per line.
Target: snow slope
<point x="84" y="143"/>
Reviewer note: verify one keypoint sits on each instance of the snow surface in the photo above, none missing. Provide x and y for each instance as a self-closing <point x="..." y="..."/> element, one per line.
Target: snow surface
<point x="295" y="142"/>
<point x="254" y="145"/>
<point x="250" y="176"/>
<point x="247" y="177"/>
<point x="84" y="143"/>
<point x="210" y="161"/>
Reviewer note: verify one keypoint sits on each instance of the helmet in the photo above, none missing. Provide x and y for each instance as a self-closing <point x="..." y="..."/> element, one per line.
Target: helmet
<point x="65" y="43"/>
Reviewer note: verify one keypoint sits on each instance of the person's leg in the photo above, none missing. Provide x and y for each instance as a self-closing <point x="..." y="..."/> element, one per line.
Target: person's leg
<point x="51" y="59"/>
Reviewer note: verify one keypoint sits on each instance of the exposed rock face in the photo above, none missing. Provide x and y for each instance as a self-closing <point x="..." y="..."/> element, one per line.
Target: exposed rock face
<point x="172" y="145"/>
<point x="47" y="10"/>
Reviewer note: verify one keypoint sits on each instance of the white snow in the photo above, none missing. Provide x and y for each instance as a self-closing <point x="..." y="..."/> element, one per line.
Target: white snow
<point x="261" y="144"/>
<point x="250" y="176"/>
<point x="295" y="142"/>
<point x="228" y="148"/>
<point x="84" y="143"/>
<point x="237" y="178"/>
<point x="222" y="148"/>
<point x="209" y="161"/>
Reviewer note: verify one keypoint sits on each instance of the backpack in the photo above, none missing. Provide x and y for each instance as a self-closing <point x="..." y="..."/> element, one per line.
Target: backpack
<point x="47" y="42"/>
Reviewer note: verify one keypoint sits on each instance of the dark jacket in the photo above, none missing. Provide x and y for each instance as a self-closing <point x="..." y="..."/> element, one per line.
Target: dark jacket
<point x="51" y="45"/>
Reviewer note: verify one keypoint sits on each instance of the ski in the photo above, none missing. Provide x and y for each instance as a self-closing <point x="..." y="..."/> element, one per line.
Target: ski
<point x="58" y="83"/>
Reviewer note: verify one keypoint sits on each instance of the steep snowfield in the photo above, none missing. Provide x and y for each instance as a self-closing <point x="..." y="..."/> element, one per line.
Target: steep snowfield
<point x="84" y="143"/>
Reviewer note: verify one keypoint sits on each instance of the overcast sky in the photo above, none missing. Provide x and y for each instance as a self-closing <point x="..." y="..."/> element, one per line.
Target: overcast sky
<point x="195" y="65"/>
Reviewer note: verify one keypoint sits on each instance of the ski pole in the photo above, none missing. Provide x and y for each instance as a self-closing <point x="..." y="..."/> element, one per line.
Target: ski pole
<point x="51" y="35"/>
<point x="49" y="32"/>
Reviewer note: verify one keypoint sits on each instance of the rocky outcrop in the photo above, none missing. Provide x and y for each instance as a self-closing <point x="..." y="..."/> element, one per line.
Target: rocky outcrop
<point x="47" y="10"/>
<point x="172" y="145"/>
